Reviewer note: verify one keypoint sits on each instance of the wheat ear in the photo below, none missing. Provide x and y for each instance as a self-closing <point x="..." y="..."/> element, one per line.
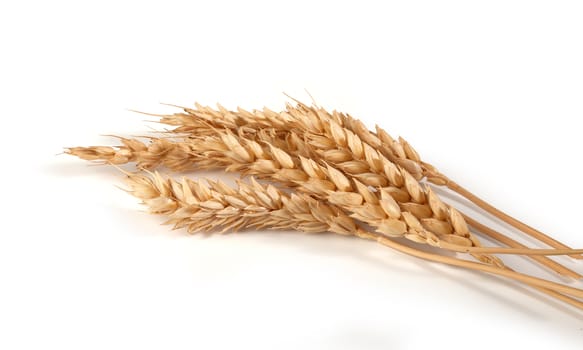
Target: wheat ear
<point x="202" y="207"/>
<point x="205" y="151"/>
<point x="401" y="152"/>
<point x="197" y="206"/>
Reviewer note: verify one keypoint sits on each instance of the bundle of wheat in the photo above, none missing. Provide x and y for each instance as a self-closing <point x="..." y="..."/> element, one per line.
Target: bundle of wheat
<point x="328" y="172"/>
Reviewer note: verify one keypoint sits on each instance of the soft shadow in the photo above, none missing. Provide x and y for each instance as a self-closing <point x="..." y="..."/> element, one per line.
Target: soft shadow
<point x="528" y="291"/>
<point x="335" y="245"/>
<point x="354" y="336"/>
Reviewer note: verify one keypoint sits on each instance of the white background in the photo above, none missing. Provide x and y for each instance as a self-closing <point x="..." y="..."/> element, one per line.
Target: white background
<point x="489" y="91"/>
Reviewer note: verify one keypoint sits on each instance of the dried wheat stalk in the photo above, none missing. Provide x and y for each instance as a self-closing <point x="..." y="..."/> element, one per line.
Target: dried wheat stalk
<point x="326" y="164"/>
<point x="201" y="207"/>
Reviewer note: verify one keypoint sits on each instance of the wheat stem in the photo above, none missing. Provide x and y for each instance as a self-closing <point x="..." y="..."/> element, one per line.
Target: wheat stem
<point x="508" y="219"/>
<point x="533" y="281"/>
<point x="551" y="264"/>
